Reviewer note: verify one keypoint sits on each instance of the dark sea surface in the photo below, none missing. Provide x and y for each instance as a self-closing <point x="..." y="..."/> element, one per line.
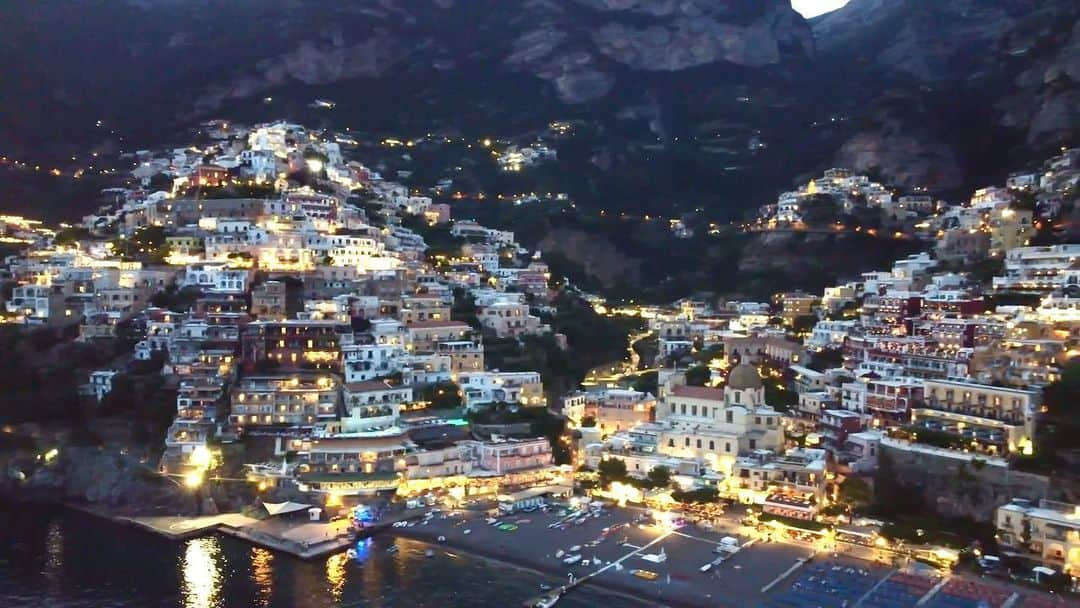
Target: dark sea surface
<point x="62" y="559"/>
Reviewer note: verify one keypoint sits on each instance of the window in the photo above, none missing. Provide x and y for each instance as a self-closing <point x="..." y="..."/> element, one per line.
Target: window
<point x="753" y="444"/>
<point x="687" y="441"/>
<point x="712" y="445"/>
<point x="729" y="416"/>
<point x="699" y="444"/>
<point x="727" y="447"/>
<point x="670" y="443"/>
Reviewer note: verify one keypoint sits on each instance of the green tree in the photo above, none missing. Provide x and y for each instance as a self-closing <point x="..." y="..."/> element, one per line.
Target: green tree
<point x="700" y="496"/>
<point x="698" y="375"/>
<point x="588" y="422"/>
<point x="659" y="477"/>
<point x="855" y="493"/>
<point x="444" y="395"/>
<point x="803" y="324"/>
<point x="611" y="469"/>
<point x="69" y="236"/>
<point x="647" y="383"/>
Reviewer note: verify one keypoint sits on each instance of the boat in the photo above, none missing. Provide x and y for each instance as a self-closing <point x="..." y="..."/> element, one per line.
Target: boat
<point x="706" y="567"/>
<point x="648" y="575"/>
<point x="575" y="548"/>
<point x="441" y="539"/>
<point x="466" y="532"/>
<point x="545" y="587"/>
<point x="573" y="559"/>
<point x="560" y="553"/>
<point x="351" y="553"/>
<point x="392" y="549"/>
<point x="429" y="553"/>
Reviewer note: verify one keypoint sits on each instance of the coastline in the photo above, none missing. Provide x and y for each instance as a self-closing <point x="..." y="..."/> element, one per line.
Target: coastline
<point x="225" y="525"/>
<point x="331" y="548"/>
<point x="625" y="591"/>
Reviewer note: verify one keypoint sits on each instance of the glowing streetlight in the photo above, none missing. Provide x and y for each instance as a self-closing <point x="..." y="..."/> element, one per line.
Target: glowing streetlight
<point x="200" y="457"/>
<point x="193" y="479"/>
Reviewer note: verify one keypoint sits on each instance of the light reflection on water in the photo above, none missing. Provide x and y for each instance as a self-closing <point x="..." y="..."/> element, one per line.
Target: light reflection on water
<point x="54" y="553"/>
<point x="336" y="573"/>
<point x="262" y="574"/>
<point x="201" y="568"/>
<point x="50" y="560"/>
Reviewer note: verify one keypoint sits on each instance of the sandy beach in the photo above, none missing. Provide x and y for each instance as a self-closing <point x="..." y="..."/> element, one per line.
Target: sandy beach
<point x="679" y="582"/>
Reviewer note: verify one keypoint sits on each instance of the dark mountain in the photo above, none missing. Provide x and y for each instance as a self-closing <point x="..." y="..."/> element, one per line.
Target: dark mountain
<point x="689" y="103"/>
<point x="959" y="89"/>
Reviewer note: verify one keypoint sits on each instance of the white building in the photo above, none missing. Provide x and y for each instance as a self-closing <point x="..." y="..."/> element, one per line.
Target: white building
<point x="481" y="388"/>
<point x="1037" y="268"/>
<point x="1049" y="532"/>
<point x="101" y="382"/>
<point x="384" y="354"/>
<point x="716" y="425"/>
<point x="215" y="277"/>
<point x="372" y="405"/>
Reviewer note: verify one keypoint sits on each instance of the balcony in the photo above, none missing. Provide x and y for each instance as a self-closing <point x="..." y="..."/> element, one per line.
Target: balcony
<point x="990" y="412"/>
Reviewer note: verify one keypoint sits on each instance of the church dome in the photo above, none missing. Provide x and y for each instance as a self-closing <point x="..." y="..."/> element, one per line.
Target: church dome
<point x="744" y="376"/>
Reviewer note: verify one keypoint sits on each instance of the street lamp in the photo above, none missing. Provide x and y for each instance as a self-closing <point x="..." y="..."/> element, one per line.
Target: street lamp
<point x="194" y="479"/>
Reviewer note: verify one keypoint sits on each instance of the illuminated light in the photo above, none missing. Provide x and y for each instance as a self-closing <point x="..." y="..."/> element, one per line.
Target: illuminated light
<point x="200" y="457"/>
<point x="202" y="573"/>
<point x="193" y="479"/>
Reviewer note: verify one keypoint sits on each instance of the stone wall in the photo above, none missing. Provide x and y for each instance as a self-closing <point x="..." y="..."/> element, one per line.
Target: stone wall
<point x="955" y="487"/>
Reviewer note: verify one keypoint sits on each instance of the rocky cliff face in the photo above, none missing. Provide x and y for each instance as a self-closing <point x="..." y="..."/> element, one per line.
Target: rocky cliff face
<point x="1011" y="63"/>
<point x="944" y="94"/>
<point x="576" y="46"/>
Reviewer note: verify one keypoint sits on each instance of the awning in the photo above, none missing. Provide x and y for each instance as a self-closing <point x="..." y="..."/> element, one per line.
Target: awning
<point x="281" y="508"/>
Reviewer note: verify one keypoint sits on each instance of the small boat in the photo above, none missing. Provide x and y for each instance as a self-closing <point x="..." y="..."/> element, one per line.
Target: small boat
<point x="573" y="559"/>
<point x="560" y="553"/>
<point x="351" y="553"/>
<point x="392" y="549"/>
<point x="545" y="587"/>
<point x="453" y="555"/>
<point x="648" y="575"/>
<point x="429" y="553"/>
<point x="575" y="548"/>
<point x="466" y="532"/>
<point x="441" y="539"/>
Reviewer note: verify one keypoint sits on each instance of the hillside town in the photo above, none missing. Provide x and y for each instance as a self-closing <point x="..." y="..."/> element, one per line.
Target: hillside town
<point x="352" y="335"/>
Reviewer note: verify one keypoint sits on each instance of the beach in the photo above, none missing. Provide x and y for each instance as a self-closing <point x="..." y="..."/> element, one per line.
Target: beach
<point x="679" y="581"/>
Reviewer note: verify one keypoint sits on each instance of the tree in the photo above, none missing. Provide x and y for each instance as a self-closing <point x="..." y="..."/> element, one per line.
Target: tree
<point x="827" y="358"/>
<point x="698" y="375"/>
<point x="659" y="477"/>
<point x="444" y="395"/>
<point x="855" y="493"/>
<point x="803" y="324"/>
<point x="588" y="422"/>
<point x="701" y="496"/>
<point x="69" y="236"/>
<point x="611" y="469"/>
<point x="647" y="383"/>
